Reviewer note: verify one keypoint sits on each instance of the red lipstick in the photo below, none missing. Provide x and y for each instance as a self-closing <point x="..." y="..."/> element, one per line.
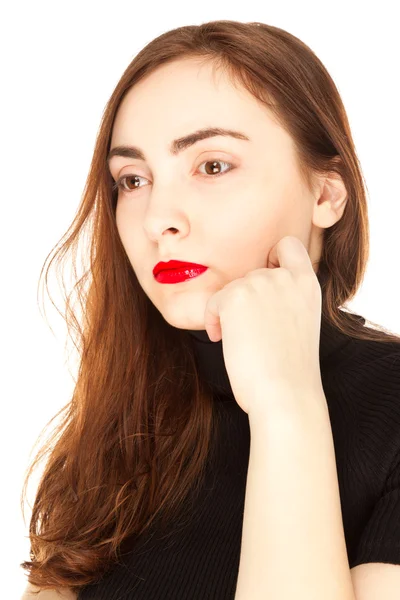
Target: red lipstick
<point x="176" y="271"/>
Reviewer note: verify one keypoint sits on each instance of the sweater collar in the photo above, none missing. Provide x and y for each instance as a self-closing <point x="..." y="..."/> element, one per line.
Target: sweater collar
<point x="211" y="359"/>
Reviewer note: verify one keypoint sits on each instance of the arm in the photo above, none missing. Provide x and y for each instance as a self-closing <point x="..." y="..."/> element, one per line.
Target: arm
<point x="293" y="543"/>
<point x="62" y="594"/>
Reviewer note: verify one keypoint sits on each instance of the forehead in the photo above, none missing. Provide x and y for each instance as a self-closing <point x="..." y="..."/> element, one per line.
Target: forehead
<point x="184" y="96"/>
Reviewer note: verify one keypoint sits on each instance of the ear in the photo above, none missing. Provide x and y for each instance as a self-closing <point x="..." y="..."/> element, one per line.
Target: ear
<point x="331" y="199"/>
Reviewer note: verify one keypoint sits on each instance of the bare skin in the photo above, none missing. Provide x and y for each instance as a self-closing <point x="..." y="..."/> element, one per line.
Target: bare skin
<point x="182" y="211"/>
<point x="61" y="594"/>
<point x="179" y="209"/>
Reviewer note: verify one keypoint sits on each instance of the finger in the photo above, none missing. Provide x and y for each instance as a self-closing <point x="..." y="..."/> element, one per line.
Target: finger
<point x="212" y="320"/>
<point x="290" y="253"/>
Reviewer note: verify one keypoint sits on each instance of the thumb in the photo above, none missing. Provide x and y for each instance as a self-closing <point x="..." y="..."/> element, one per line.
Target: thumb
<point x="272" y="258"/>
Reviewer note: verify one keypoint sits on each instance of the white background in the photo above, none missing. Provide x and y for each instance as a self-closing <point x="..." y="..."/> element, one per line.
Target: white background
<point x="60" y="63"/>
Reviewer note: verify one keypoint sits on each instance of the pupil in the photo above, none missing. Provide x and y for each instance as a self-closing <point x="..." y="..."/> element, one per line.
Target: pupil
<point x="213" y="167"/>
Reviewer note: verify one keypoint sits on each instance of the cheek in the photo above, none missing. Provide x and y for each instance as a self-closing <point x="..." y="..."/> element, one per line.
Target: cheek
<point x="121" y="224"/>
<point x="245" y="235"/>
<point x="129" y="240"/>
<point x="243" y="226"/>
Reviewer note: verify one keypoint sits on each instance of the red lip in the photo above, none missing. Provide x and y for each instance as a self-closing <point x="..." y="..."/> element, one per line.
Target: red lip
<point x="175" y="264"/>
<point x="179" y="275"/>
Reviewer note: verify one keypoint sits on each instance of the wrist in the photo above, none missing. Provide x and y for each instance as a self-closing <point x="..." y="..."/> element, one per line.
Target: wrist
<point x="283" y="401"/>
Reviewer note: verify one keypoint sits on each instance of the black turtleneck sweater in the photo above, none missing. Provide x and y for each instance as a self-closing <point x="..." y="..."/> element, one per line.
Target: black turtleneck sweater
<point x="361" y="381"/>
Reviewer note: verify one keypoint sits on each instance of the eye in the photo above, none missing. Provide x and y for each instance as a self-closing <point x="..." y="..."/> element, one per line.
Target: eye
<point x="126" y="180"/>
<point x="119" y="184"/>
<point x="216" y="161"/>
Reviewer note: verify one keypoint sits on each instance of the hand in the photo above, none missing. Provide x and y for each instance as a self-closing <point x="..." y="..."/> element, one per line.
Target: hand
<point x="269" y="322"/>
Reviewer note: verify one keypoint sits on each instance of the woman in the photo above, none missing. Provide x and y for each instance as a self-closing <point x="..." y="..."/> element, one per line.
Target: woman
<point x="227" y="146"/>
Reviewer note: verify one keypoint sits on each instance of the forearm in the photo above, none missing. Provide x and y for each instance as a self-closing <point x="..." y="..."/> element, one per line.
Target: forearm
<point x="293" y="543"/>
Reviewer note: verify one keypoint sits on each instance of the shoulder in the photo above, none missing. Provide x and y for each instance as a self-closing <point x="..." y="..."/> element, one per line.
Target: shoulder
<point x="368" y="361"/>
<point x="368" y="386"/>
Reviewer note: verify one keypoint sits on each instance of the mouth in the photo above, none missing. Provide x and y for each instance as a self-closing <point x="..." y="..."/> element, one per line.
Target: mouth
<point x="175" y="264"/>
<point x="182" y="273"/>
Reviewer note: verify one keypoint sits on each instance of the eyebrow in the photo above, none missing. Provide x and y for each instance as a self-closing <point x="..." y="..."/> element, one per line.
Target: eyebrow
<point x="178" y="145"/>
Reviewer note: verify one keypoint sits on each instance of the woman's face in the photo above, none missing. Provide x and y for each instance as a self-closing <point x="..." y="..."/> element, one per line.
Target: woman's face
<point x="182" y="211"/>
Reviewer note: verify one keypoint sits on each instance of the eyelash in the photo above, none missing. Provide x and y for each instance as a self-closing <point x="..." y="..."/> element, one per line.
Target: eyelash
<point x="119" y="183"/>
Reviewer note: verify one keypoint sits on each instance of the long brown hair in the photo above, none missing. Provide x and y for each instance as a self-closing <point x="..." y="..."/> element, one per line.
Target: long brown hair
<point x="134" y="440"/>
